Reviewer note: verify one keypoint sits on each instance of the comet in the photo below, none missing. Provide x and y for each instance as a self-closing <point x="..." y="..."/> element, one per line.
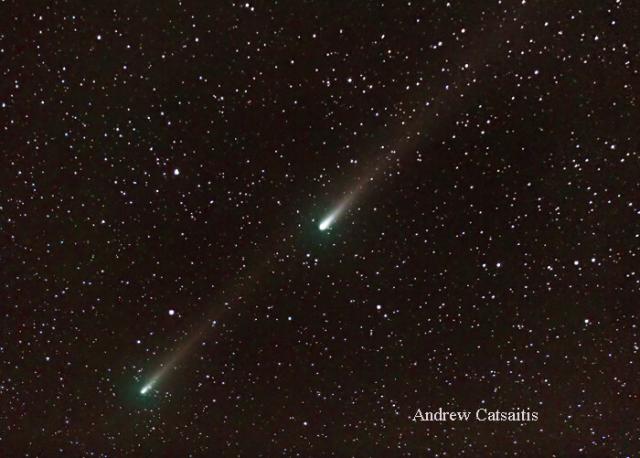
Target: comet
<point x="174" y="359"/>
<point x="152" y="382"/>
<point x="335" y="214"/>
<point x="145" y="389"/>
<point x="325" y="223"/>
<point x="330" y="219"/>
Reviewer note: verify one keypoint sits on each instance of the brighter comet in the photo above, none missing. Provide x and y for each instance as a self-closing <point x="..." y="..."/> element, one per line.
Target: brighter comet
<point x="328" y="221"/>
<point x="325" y="223"/>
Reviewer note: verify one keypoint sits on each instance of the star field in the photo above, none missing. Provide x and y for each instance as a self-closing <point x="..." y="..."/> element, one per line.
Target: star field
<point x="168" y="284"/>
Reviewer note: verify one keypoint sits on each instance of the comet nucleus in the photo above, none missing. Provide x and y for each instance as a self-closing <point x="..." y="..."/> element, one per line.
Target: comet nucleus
<point x="325" y="223"/>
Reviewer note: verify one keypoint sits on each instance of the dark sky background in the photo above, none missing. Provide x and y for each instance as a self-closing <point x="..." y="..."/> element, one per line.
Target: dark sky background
<point x="165" y="166"/>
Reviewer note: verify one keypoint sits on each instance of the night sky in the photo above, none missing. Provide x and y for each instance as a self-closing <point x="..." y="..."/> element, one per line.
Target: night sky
<point x="165" y="170"/>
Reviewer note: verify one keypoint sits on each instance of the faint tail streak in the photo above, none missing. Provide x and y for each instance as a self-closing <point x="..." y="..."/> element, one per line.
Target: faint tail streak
<point x="409" y="133"/>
